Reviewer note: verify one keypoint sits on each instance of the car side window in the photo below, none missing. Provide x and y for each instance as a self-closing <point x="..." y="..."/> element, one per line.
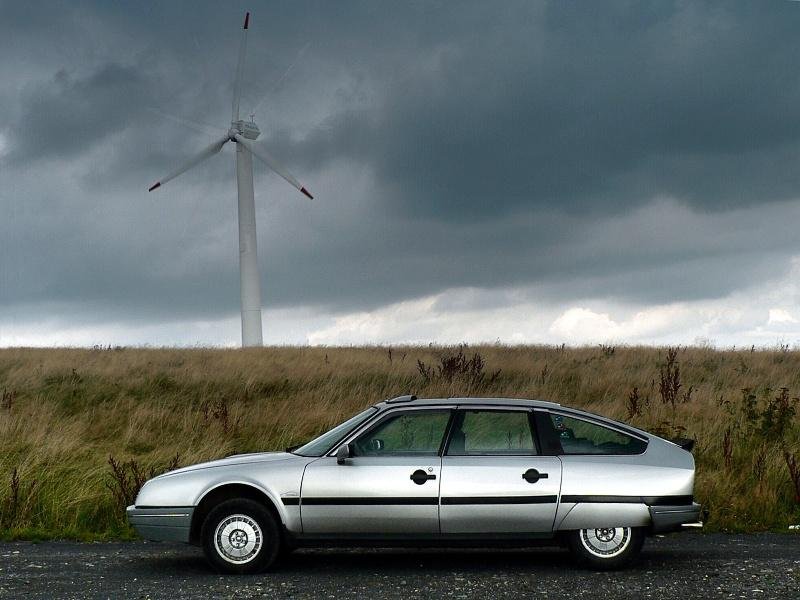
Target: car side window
<point x="417" y="433"/>
<point x="494" y="433"/>
<point x="584" y="437"/>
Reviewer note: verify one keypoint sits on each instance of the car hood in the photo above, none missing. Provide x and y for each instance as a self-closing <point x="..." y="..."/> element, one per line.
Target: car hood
<point x="236" y="459"/>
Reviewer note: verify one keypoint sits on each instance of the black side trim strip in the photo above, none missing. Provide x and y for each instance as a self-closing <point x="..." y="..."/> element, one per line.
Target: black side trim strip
<point x="144" y="506"/>
<point x="649" y="500"/>
<point x="432" y="501"/>
<point x="501" y="500"/>
<point x="668" y="500"/>
<point x="377" y="501"/>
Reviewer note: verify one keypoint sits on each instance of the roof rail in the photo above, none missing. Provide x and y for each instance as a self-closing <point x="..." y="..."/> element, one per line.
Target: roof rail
<point x="399" y="399"/>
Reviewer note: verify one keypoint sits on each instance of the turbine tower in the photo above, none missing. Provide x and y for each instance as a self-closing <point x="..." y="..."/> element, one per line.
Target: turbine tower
<point x="242" y="133"/>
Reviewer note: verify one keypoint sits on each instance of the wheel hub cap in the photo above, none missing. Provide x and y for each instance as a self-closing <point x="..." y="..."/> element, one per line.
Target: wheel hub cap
<point x="238" y="539"/>
<point x="606" y="542"/>
<point x="604" y="535"/>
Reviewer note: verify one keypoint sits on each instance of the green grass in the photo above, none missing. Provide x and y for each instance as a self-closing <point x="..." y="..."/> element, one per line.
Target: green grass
<point x="65" y="411"/>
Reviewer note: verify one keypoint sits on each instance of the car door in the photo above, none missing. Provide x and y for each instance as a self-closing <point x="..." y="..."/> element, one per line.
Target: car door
<point x="389" y="486"/>
<point x="494" y="478"/>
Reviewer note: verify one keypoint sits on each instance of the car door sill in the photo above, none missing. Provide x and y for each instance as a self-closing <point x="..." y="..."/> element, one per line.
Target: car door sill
<point x="418" y="540"/>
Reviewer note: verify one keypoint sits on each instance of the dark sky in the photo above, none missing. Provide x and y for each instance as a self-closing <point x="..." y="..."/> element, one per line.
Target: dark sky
<point x="522" y="171"/>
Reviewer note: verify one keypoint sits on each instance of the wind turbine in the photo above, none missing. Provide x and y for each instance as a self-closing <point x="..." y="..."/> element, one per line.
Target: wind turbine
<point x="242" y="133"/>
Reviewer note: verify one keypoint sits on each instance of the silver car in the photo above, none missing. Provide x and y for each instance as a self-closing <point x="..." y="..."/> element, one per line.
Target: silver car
<point x="445" y="472"/>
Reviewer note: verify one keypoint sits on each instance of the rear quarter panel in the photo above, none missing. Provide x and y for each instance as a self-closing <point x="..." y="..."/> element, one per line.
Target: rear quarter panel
<point x="599" y="490"/>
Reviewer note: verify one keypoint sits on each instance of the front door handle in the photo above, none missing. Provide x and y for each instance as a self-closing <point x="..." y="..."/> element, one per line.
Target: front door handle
<point x="532" y="476"/>
<point x="419" y="476"/>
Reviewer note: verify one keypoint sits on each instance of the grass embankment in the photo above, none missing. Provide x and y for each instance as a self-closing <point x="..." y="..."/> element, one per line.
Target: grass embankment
<point x="64" y="412"/>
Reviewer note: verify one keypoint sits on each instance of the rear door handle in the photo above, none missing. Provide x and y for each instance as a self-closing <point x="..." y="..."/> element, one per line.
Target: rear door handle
<point x="419" y="476"/>
<point x="532" y="476"/>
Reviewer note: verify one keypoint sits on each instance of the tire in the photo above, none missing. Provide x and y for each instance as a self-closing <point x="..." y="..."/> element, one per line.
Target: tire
<point x="240" y="537"/>
<point x="606" y="548"/>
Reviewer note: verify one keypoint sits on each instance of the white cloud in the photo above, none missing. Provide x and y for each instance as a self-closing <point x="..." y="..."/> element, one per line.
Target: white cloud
<point x="780" y="315"/>
<point x="517" y="316"/>
<point x="583" y="323"/>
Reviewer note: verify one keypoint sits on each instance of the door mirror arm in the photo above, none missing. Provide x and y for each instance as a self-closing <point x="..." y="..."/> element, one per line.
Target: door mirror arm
<point x="343" y="453"/>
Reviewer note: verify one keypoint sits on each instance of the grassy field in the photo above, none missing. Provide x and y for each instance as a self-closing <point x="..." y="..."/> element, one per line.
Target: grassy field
<point x="65" y="412"/>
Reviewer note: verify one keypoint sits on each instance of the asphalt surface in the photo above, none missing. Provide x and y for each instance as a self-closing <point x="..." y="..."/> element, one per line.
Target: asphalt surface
<point x="680" y="566"/>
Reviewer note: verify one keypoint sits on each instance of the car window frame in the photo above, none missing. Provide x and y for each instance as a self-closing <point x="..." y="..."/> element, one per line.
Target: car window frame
<point x="391" y="413"/>
<point x="369" y="418"/>
<point x="460" y="414"/>
<point x="547" y="423"/>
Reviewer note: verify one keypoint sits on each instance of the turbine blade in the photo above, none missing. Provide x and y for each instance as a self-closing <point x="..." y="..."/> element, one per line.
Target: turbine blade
<point x="195" y="160"/>
<point x="280" y="79"/>
<point x="267" y="159"/>
<point x="198" y="126"/>
<point x="237" y="82"/>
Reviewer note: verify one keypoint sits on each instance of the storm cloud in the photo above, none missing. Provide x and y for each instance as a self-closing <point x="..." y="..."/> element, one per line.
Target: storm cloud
<point x="632" y="153"/>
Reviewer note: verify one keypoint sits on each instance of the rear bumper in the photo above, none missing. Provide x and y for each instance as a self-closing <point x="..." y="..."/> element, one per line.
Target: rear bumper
<point x="672" y="518"/>
<point x="169" y="523"/>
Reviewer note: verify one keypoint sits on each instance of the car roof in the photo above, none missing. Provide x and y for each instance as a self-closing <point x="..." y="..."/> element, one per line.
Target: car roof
<point x="413" y="400"/>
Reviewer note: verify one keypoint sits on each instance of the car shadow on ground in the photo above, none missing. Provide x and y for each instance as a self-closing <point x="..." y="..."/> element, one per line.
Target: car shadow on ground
<point x="405" y="560"/>
<point x="397" y="561"/>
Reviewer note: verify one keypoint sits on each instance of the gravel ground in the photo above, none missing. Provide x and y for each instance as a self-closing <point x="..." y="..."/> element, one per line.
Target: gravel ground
<point x="678" y="566"/>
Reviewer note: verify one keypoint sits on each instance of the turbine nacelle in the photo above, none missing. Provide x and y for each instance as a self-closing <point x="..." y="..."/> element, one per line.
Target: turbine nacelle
<point x="247" y="129"/>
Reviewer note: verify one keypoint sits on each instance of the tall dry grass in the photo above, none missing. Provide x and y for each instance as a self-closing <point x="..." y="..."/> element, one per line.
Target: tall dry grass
<point x="64" y="412"/>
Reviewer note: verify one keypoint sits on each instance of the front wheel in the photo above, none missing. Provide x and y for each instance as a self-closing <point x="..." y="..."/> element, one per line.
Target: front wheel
<point x="240" y="536"/>
<point x="607" y="547"/>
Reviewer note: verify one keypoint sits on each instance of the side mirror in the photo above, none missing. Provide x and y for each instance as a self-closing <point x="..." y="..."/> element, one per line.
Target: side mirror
<point x="376" y="445"/>
<point x="343" y="453"/>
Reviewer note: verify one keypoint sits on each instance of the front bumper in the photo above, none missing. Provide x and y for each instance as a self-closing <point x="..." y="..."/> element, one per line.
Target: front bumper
<point x="673" y="518"/>
<point x="168" y="523"/>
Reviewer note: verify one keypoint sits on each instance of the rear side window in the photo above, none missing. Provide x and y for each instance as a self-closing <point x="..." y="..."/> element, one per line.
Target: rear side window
<point x="483" y="432"/>
<point x="584" y="437"/>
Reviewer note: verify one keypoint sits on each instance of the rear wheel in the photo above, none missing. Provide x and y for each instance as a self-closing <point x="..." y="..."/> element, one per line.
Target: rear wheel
<point x="606" y="547"/>
<point x="240" y="536"/>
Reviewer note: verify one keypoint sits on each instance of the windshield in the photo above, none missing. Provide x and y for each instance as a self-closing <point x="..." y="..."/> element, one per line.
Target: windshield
<point x="322" y="444"/>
